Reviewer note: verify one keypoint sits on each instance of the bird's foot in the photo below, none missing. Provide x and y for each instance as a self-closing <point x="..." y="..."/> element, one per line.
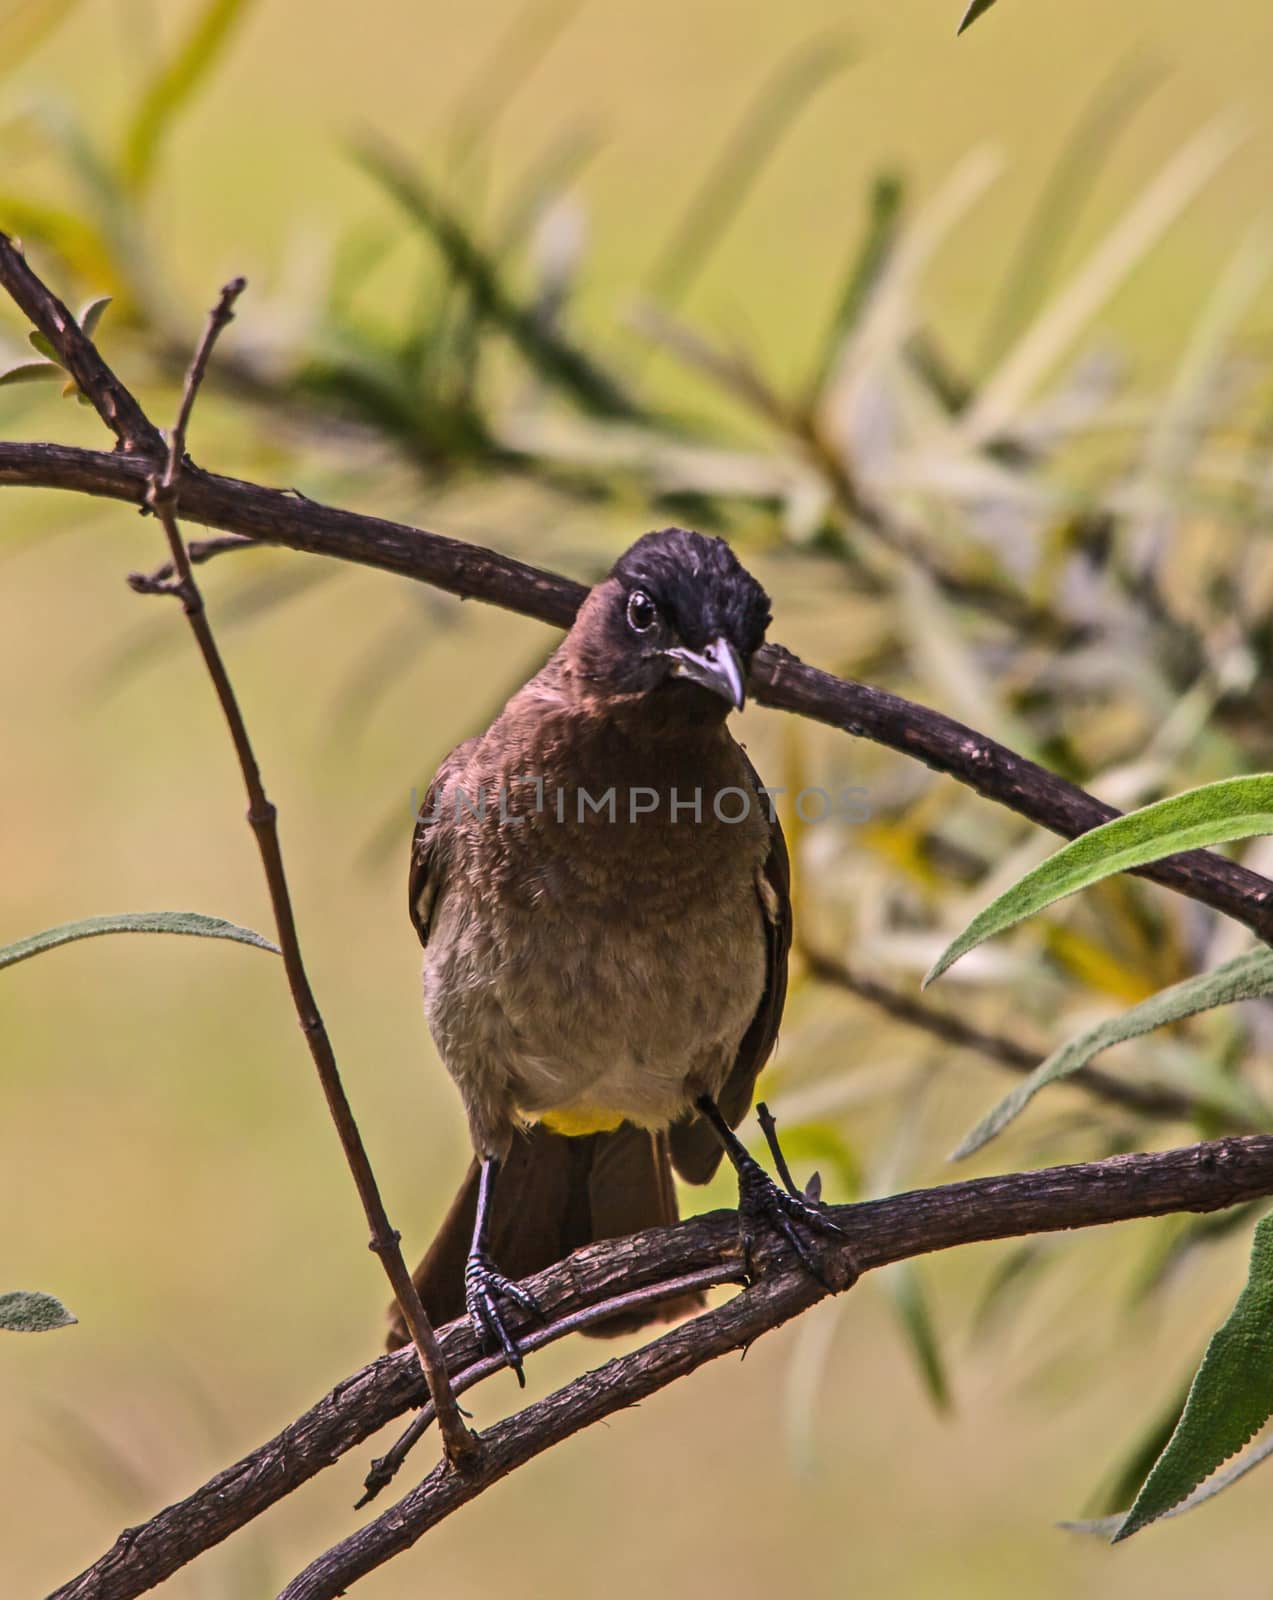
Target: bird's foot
<point x="484" y="1289"/>
<point x="761" y="1204"/>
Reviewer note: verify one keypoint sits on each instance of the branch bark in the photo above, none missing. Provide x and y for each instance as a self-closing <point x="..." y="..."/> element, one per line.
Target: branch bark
<point x="162" y="497"/>
<point x="1146" y="1100"/>
<point x="1203" y="1177"/>
<point x="779" y="678"/>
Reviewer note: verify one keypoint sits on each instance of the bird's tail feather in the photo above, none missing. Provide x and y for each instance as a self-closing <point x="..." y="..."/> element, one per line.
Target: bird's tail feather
<point x="554" y="1194"/>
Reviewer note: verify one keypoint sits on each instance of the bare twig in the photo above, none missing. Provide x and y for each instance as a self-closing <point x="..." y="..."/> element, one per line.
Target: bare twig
<point x="1204" y="1177"/>
<point x="162" y="498"/>
<point x="1154" y="1100"/>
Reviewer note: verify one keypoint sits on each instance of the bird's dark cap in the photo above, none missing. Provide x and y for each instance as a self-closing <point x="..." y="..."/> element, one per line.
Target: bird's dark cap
<point x="700" y="586"/>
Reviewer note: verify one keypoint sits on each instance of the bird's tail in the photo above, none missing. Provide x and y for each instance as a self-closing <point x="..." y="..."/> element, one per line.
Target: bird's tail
<point x="552" y="1195"/>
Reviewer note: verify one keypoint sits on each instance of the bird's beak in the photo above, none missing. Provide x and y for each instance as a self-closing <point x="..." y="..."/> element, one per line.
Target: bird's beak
<point x="717" y="667"/>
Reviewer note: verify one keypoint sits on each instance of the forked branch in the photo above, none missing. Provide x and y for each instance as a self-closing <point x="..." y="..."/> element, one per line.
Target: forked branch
<point x="162" y="497"/>
<point x="147" y="473"/>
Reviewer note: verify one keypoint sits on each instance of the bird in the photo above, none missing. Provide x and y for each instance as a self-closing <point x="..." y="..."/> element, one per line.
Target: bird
<point x="602" y="889"/>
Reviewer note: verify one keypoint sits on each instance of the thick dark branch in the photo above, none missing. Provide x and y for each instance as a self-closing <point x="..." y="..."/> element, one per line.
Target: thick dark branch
<point x="779" y="679"/>
<point x="1205" y="1177"/>
<point x="111" y="400"/>
<point x="1147" y="1100"/>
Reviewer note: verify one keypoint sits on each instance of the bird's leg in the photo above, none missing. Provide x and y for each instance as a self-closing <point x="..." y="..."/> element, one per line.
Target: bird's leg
<point x="760" y="1200"/>
<point x="484" y="1287"/>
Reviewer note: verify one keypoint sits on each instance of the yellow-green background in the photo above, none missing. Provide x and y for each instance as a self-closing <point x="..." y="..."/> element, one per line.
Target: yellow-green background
<point x="165" y="1161"/>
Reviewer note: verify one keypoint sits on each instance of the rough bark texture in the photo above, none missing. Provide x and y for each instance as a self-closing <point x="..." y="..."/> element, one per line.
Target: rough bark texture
<point x="1204" y="1177"/>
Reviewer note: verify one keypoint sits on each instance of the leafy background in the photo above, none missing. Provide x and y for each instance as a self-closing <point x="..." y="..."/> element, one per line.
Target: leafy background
<point x="485" y="249"/>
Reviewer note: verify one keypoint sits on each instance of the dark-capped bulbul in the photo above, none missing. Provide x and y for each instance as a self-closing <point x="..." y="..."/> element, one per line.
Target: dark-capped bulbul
<point x="601" y="887"/>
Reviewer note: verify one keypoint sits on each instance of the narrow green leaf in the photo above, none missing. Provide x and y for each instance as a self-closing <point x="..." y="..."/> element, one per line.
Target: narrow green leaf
<point x="29" y="1311"/>
<point x="38" y="341"/>
<point x="976" y="9"/>
<point x="186" y="922"/>
<point x="554" y="358"/>
<point x="92" y="314"/>
<point x="883" y="225"/>
<point x="1246" y="977"/>
<point x="172" y="86"/>
<point x="916" y="1318"/>
<point x="30" y="372"/>
<point x="785" y="95"/>
<point x="1106" y="1526"/>
<point x="1230" y="1401"/>
<point x="1008" y="1284"/>
<point x="1054" y="216"/>
<point x="1234" y="808"/>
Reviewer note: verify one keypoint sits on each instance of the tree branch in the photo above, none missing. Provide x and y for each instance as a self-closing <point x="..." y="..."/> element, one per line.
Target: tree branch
<point x="162" y="497"/>
<point x="1147" y="1100"/>
<point x="113" y="403"/>
<point x="779" y="679"/>
<point x="1204" y="1177"/>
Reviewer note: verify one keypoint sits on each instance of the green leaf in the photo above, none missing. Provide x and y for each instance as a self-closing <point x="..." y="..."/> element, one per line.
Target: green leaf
<point x="1230" y="1401"/>
<point x="554" y="358"/>
<point x="30" y="372"/>
<point x="1055" y="214"/>
<point x="1106" y="1526"/>
<point x="976" y="9"/>
<point x="29" y="1311"/>
<point x="1246" y="977"/>
<point x="915" y="1315"/>
<point x="186" y="922"/>
<point x="173" y="85"/>
<point x="92" y="314"/>
<point x="39" y="342"/>
<point x="786" y="95"/>
<point x="883" y="225"/>
<point x="1234" y="808"/>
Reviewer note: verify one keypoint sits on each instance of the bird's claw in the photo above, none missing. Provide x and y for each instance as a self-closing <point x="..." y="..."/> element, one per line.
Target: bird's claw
<point x="791" y="1214"/>
<point x="484" y="1288"/>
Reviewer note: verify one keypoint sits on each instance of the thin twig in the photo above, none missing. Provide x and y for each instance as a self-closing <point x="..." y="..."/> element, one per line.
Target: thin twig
<point x="1202" y="1178"/>
<point x="163" y="496"/>
<point x="1155" y="1100"/>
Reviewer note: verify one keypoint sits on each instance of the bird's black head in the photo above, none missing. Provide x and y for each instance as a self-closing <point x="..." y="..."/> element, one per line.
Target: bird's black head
<point x="680" y="617"/>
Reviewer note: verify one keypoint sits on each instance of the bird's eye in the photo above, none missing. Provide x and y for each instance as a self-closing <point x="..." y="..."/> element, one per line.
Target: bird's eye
<point x="642" y="612"/>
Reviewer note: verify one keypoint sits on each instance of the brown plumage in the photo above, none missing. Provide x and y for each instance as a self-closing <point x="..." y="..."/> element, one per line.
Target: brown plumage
<point x="602" y="891"/>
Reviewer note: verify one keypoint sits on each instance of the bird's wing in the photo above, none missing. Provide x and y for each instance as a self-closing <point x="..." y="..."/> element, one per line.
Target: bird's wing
<point x="425" y="881"/>
<point x="696" y="1151"/>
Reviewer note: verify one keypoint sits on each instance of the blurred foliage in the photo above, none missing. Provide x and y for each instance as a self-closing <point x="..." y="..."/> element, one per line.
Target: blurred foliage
<point x="1065" y="559"/>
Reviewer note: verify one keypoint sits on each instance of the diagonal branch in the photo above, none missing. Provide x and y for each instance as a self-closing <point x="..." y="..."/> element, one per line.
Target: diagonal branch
<point x="163" y="495"/>
<point x="1204" y="1177"/>
<point x="1147" y="1100"/>
<point x="779" y="679"/>
<point x="79" y="355"/>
